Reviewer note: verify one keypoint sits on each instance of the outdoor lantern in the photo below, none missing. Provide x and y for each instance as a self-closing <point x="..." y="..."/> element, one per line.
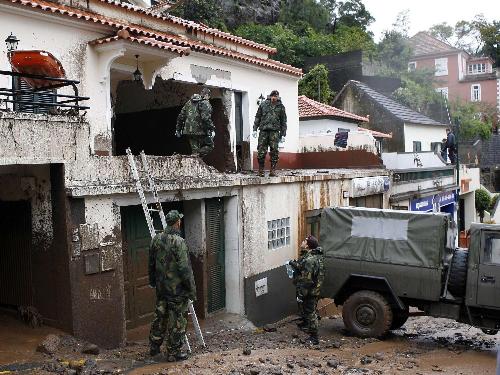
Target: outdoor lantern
<point x="11" y="42"/>
<point x="261" y="99"/>
<point x="137" y="74"/>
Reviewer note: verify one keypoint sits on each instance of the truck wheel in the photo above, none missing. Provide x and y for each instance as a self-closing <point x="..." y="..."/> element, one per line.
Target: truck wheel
<point x="367" y="314"/>
<point x="399" y="318"/>
<point x="491" y="332"/>
<point x="458" y="273"/>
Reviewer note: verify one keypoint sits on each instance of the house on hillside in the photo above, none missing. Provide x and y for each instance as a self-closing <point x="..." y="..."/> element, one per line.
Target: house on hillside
<point x="74" y="238"/>
<point x="411" y="131"/>
<point x="457" y="74"/>
<point x="324" y="127"/>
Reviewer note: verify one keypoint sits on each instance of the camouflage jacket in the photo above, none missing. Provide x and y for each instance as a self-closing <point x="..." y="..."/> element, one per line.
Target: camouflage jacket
<point x="195" y="117"/>
<point x="312" y="273"/>
<point x="170" y="270"/>
<point x="300" y="264"/>
<point x="271" y="117"/>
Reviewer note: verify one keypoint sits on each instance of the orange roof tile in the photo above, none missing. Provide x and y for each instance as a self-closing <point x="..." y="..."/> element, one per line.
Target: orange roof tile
<point x="152" y="34"/>
<point x="193" y="25"/>
<point x="143" y="40"/>
<point x="375" y="133"/>
<point x="311" y="108"/>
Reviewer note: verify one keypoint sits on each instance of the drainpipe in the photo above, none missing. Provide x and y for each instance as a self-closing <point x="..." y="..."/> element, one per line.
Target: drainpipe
<point x="456" y="132"/>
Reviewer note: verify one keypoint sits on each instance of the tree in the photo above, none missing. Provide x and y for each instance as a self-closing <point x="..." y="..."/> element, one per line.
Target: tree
<point x="315" y="84"/>
<point x="354" y="13"/>
<point x="483" y="202"/>
<point x="475" y="119"/>
<point x="393" y="53"/>
<point x="308" y="12"/>
<point x="443" y="32"/>
<point x="208" y="12"/>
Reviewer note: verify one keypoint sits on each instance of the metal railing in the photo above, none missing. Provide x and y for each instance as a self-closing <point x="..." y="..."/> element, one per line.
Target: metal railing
<point x="20" y="97"/>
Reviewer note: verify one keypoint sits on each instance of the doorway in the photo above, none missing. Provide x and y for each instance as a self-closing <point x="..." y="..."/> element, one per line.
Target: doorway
<point x="16" y="275"/>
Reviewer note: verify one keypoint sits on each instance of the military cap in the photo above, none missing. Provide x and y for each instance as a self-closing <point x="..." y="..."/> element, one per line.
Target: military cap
<point x="275" y="93"/>
<point x="173" y="216"/>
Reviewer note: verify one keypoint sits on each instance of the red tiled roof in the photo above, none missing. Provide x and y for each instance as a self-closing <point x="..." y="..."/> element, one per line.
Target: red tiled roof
<point x="422" y="43"/>
<point x="208" y="48"/>
<point x="143" y="40"/>
<point x="375" y="133"/>
<point x="193" y="26"/>
<point x="154" y="34"/>
<point x="311" y="108"/>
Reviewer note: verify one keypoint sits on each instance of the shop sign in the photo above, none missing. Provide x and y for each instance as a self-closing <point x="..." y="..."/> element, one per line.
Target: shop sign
<point x="364" y="186"/>
<point x="433" y="202"/>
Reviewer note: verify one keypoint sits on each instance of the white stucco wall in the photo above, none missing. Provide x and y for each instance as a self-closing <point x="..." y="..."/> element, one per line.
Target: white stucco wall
<point x="325" y="126"/>
<point x="356" y="140"/>
<point x="424" y="134"/>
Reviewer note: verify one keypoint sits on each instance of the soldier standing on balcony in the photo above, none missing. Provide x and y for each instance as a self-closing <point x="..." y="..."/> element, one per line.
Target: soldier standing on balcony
<point x="195" y="121"/>
<point x="270" y="120"/>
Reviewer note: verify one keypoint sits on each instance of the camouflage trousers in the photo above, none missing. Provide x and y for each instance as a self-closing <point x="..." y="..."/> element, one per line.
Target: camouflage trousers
<point x="201" y="144"/>
<point x="268" y="139"/>
<point x="310" y="316"/>
<point x="169" y="324"/>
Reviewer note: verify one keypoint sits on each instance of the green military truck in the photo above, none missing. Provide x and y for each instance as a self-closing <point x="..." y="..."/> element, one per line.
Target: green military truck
<point x="378" y="263"/>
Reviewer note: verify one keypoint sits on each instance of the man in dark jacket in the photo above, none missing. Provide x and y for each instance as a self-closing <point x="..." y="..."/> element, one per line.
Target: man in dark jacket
<point x="311" y="275"/>
<point x="270" y="120"/>
<point x="195" y="122"/>
<point x="451" y="145"/>
<point x="443" y="150"/>
<point x="171" y="274"/>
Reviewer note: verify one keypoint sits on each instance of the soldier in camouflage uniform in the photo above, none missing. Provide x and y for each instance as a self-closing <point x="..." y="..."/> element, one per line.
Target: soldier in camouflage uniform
<point x="297" y="265"/>
<point x="270" y="120"/>
<point x="311" y="275"/>
<point x="171" y="274"/>
<point x="195" y="121"/>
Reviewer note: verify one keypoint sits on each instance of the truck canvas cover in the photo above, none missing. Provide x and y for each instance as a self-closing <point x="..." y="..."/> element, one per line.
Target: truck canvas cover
<point x="385" y="236"/>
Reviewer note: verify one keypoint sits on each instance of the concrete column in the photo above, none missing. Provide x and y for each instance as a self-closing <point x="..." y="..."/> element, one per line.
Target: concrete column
<point x="234" y="278"/>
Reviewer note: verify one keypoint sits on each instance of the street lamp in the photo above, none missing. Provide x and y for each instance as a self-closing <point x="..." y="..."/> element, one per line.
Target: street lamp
<point x="260" y="99"/>
<point x="137" y="74"/>
<point x="11" y="42"/>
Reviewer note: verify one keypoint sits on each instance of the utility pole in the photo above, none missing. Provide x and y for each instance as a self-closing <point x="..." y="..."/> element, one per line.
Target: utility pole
<point x="457" y="166"/>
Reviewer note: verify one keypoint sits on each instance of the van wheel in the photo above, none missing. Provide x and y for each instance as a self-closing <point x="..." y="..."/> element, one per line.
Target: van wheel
<point x="491" y="332"/>
<point x="399" y="318"/>
<point x="367" y="314"/>
<point x="458" y="273"/>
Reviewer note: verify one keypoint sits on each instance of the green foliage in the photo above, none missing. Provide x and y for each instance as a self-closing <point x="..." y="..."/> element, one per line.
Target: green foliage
<point x="475" y="119"/>
<point x="417" y="94"/>
<point x="208" y="12"/>
<point x="393" y="53"/>
<point x="315" y="84"/>
<point x="483" y="202"/>
<point x="307" y="12"/>
<point x="442" y="31"/>
<point x="294" y="47"/>
<point x="353" y="13"/>
<point x="493" y="203"/>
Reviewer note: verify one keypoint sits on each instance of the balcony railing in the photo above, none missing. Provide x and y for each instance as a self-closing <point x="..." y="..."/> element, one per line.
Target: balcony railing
<point x="22" y="98"/>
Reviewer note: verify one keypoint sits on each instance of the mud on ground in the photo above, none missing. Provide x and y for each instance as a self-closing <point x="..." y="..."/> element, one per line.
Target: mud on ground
<point x="423" y="346"/>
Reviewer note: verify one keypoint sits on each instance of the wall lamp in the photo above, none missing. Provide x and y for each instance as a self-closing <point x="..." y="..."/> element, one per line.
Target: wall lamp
<point x="11" y="42"/>
<point x="261" y="99"/>
<point x="137" y="73"/>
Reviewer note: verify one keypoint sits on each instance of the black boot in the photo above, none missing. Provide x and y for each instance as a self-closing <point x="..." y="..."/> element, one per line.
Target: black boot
<point x="179" y="356"/>
<point x="272" y="172"/>
<point x="261" y="170"/>
<point x="154" y="350"/>
<point x="312" y="340"/>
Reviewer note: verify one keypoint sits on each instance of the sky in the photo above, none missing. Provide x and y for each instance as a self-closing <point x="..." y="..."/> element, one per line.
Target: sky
<point x="425" y="13"/>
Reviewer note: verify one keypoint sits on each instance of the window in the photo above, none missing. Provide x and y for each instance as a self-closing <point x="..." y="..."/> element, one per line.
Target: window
<point x="369" y="201"/>
<point x="417" y="146"/>
<point x="412" y="66"/>
<point x="492" y="249"/>
<point x="278" y="233"/>
<point x="436" y="147"/>
<point x="475" y="93"/>
<point x="441" y="66"/>
<point x="443" y="91"/>
<point x="477" y="68"/>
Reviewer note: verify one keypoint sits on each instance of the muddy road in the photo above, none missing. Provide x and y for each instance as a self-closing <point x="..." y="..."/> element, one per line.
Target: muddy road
<point x="423" y="346"/>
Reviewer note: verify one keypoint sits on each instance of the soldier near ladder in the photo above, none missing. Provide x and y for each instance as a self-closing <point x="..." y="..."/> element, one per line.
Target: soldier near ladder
<point x="195" y="122"/>
<point x="310" y="278"/>
<point x="297" y="265"/>
<point x="171" y="274"/>
<point x="270" y="120"/>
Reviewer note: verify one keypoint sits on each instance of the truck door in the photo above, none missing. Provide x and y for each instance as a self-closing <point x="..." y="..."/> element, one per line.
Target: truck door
<point x="488" y="284"/>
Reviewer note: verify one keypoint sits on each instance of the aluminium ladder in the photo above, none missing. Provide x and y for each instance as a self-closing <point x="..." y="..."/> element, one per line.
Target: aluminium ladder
<point x="149" y="220"/>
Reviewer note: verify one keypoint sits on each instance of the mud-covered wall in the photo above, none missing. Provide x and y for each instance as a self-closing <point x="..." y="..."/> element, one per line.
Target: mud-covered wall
<point x="97" y="272"/>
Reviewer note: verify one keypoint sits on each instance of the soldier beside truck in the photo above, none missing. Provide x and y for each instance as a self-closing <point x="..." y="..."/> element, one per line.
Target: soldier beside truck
<point x="379" y="263"/>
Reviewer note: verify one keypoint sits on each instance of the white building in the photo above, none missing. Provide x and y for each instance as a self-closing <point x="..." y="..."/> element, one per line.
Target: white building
<point x="82" y="242"/>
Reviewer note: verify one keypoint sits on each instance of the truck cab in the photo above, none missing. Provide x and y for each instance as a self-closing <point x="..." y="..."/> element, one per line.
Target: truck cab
<point x="379" y="263"/>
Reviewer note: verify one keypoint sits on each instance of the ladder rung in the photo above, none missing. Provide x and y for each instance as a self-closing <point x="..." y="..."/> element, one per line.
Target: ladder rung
<point x="153" y="210"/>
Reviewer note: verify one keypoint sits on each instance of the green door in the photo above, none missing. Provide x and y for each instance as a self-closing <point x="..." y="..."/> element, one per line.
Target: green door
<point x="215" y="254"/>
<point x="139" y="297"/>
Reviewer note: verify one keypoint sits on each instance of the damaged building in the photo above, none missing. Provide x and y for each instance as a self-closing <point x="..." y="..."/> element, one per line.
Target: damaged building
<point x="74" y="241"/>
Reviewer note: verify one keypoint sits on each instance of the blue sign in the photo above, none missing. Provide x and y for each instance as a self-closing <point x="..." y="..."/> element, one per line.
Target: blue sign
<point x="422" y="204"/>
<point x="428" y="203"/>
